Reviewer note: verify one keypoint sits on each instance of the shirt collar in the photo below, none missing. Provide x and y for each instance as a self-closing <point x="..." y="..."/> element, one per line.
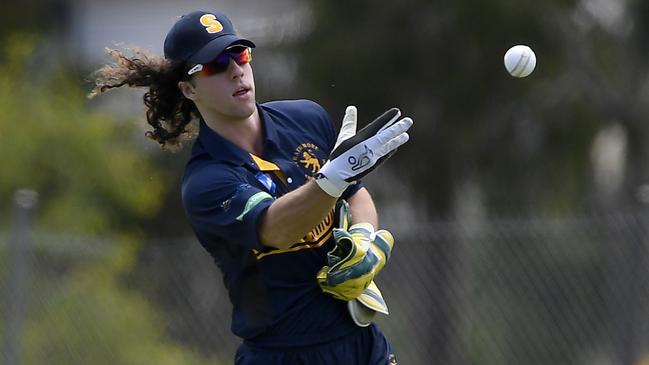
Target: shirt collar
<point x="219" y="148"/>
<point x="270" y="129"/>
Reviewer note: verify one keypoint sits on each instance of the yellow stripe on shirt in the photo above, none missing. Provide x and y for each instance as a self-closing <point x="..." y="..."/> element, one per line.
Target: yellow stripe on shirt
<point x="314" y="239"/>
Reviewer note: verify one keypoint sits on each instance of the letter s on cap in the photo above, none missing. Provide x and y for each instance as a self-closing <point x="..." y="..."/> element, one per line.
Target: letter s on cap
<point x="211" y="24"/>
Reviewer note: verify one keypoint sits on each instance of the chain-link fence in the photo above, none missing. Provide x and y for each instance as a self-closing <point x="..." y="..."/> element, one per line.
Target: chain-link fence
<point x="538" y="291"/>
<point x="570" y="291"/>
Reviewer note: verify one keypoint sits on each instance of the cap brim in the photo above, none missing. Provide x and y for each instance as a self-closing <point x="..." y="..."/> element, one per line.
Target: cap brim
<point x="216" y="46"/>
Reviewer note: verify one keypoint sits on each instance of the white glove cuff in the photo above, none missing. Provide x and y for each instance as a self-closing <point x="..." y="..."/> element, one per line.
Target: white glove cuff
<point x="330" y="183"/>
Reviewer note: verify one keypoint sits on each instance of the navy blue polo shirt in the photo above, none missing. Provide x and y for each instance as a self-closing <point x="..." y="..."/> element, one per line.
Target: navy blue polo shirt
<point x="225" y="190"/>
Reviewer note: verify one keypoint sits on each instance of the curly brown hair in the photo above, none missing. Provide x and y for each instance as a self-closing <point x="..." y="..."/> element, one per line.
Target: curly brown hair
<point x="168" y="111"/>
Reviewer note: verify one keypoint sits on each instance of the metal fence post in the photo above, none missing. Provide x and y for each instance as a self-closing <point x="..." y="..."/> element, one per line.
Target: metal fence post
<point x="23" y="205"/>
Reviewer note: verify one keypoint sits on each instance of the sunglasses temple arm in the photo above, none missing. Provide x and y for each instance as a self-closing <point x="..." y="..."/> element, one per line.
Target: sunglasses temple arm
<point x="195" y="69"/>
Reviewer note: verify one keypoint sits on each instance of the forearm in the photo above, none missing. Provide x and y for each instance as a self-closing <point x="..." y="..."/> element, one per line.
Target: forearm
<point x="293" y="215"/>
<point x="363" y="209"/>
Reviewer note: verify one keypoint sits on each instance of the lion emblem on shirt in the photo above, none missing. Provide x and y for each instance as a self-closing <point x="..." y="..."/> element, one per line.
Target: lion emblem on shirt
<point x="310" y="162"/>
<point x="306" y="156"/>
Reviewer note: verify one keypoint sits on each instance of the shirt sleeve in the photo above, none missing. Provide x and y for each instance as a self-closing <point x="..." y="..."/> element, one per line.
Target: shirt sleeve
<point x="221" y="204"/>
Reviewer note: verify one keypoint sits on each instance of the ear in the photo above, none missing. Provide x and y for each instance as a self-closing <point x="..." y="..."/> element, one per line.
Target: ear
<point x="188" y="89"/>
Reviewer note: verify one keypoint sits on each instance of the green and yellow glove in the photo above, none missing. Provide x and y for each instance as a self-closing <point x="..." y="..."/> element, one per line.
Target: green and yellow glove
<point x="359" y="255"/>
<point x="363" y="309"/>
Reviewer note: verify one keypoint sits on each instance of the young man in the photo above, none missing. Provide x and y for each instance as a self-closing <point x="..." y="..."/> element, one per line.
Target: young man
<point x="260" y="190"/>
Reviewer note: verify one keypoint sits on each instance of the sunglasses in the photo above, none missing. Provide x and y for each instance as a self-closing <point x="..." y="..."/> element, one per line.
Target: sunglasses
<point x="240" y="54"/>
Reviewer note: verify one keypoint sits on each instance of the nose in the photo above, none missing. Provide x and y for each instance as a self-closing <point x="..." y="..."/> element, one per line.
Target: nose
<point x="235" y="70"/>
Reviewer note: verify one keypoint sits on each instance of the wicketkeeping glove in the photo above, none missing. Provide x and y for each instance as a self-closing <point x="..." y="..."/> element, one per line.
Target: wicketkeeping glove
<point x="363" y="309"/>
<point x="357" y="154"/>
<point x="358" y="257"/>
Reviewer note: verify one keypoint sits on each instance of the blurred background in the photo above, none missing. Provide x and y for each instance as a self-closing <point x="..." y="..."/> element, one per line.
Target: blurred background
<point x="520" y="206"/>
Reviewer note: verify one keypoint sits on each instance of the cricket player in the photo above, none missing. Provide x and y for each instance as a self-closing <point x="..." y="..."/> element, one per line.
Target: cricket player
<point x="260" y="190"/>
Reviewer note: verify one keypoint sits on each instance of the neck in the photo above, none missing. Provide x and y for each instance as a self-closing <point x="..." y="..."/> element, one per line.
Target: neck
<point x="244" y="132"/>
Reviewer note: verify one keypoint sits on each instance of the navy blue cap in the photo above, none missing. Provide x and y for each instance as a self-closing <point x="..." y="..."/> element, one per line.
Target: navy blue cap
<point x="200" y="36"/>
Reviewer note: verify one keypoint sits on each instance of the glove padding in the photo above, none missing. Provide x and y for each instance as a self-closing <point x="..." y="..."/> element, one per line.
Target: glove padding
<point x="357" y="154"/>
<point x="364" y="308"/>
<point x="358" y="257"/>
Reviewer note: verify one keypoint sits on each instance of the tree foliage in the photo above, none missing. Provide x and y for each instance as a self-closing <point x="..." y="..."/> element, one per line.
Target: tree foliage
<point x="90" y="174"/>
<point x="94" y="180"/>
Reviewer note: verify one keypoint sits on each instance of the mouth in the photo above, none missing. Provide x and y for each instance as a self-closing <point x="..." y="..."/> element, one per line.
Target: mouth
<point x="241" y="91"/>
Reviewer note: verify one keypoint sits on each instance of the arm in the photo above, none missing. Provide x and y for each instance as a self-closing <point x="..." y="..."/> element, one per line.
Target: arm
<point x="363" y="209"/>
<point x="354" y="155"/>
<point x="291" y="216"/>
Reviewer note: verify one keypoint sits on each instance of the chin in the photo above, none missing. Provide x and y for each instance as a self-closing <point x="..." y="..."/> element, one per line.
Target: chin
<point x="245" y="111"/>
<point x="250" y="108"/>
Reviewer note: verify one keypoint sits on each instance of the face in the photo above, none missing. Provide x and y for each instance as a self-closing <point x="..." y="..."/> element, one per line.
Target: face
<point x="225" y="88"/>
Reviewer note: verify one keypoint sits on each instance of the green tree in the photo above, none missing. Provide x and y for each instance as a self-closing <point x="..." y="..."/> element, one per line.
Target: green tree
<point x="86" y="166"/>
<point x="94" y="180"/>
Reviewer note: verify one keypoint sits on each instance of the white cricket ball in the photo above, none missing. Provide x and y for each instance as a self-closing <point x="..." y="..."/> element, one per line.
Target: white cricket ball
<point x="520" y="61"/>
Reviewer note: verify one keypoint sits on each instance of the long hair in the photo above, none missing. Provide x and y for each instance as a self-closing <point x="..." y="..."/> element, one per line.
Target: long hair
<point x="168" y="111"/>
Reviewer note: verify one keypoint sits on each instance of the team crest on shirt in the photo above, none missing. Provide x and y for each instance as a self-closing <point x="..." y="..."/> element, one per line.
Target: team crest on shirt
<point x="306" y="155"/>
